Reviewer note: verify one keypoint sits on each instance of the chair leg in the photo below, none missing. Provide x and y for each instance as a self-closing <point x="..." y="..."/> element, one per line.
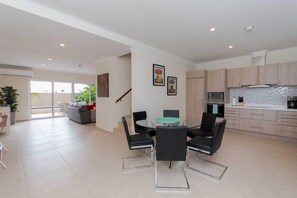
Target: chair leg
<point x="209" y="162"/>
<point x="169" y="188"/>
<point x="1" y="146"/>
<point x="135" y="168"/>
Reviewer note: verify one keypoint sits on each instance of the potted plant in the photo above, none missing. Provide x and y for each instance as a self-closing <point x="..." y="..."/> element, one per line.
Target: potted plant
<point x="10" y="99"/>
<point x="2" y="102"/>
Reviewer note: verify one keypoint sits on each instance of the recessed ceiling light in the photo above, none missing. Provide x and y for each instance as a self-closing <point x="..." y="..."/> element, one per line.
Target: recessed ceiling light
<point x="49" y="59"/>
<point x="230" y="46"/>
<point x="212" y="29"/>
<point x="62" y="45"/>
<point x="43" y="65"/>
<point x="249" y="28"/>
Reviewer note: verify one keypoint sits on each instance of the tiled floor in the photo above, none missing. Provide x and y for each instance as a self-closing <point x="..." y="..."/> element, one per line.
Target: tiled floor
<point x="59" y="158"/>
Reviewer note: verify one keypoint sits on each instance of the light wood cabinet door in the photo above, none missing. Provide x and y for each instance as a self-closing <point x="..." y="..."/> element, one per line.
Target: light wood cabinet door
<point x="260" y="126"/>
<point x="234" y="77"/>
<point x="232" y="117"/>
<point x="250" y="75"/>
<point x="216" y="80"/>
<point x="268" y="74"/>
<point x="287" y="73"/>
<point x="258" y="114"/>
<point x="196" y="74"/>
<point x="195" y="97"/>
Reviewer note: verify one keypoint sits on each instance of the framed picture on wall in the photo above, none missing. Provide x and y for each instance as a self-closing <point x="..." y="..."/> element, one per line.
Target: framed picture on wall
<point x="171" y="86"/>
<point x="103" y="85"/>
<point x="158" y="75"/>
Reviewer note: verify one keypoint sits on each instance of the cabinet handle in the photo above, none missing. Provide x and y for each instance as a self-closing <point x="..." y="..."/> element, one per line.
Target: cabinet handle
<point x="256" y="127"/>
<point x="255" y="114"/>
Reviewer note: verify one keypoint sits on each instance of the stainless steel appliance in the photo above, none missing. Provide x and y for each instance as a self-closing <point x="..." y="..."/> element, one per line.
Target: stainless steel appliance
<point x="216" y="108"/>
<point x="292" y="102"/>
<point x="216" y="96"/>
<point x="215" y="103"/>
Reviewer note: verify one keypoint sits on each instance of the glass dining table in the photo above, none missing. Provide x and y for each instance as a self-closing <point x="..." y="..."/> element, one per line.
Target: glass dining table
<point x="161" y="121"/>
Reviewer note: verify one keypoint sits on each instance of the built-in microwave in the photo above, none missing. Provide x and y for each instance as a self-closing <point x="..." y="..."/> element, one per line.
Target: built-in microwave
<point x="216" y="108"/>
<point x="215" y="96"/>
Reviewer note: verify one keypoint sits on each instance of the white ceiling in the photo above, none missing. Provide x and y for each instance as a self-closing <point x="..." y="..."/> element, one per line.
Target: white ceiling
<point x="29" y="40"/>
<point x="178" y="27"/>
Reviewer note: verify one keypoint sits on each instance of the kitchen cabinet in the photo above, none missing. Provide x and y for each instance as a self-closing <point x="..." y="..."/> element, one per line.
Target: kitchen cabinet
<point x="250" y="75"/>
<point x="196" y="74"/>
<point x="216" y="80"/>
<point x="257" y="120"/>
<point x="268" y="74"/>
<point x="258" y="114"/>
<point x="195" y="97"/>
<point x="232" y="117"/>
<point x="259" y="126"/>
<point x="234" y="77"/>
<point x="287" y="124"/>
<point x="287" y="73"/>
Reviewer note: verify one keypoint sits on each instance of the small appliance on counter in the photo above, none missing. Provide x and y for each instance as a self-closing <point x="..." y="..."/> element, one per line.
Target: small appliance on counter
<point x="292" y="102"/>
<point x="233" y="101"/>
<point x="240" y="101"/>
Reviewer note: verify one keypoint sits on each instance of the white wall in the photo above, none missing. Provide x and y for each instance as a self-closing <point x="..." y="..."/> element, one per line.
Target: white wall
<point x="22" y="84"/>
<point x="272" y="57"/>
<point x="154" y="99"/>
<point x="108" y="113"/>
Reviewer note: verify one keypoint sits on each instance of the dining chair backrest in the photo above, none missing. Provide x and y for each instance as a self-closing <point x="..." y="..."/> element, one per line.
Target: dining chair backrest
<point x="126" y="129"/>
<point x="218" y="134"/>
<point x="208" y="122"/>
<point x="171" y="113"/>
<point x="171" y="143"/>
<point x="140" y="115"/>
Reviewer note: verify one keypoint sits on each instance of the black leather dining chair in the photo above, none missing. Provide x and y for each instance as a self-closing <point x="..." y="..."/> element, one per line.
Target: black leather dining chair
<point x="206" y="128"/>
<point x="135" y="142"/>
<point x="171" y="113"/>
<point x="208" y="146"/>
<point x="171" y="145"/>
<point x="141" y="115"/>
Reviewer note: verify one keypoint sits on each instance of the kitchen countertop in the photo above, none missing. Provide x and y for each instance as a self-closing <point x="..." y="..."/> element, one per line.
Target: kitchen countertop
<point x="262" y="107"/>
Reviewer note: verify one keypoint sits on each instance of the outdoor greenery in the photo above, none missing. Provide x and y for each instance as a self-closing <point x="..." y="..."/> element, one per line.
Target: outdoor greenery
<point x="10" y="97"/>
<point x="84" y="94"/>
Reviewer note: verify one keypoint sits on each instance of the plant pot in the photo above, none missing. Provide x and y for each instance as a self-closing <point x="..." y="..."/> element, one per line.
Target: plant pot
<point x="12" y="118"/>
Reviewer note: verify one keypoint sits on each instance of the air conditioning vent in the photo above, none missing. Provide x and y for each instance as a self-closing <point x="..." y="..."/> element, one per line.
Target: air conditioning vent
<point x="16" y="72"/>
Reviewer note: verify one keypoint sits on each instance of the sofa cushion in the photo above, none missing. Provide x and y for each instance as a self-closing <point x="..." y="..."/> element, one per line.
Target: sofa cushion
<point x="89" y="107"/>
<point x="83" y="108"/>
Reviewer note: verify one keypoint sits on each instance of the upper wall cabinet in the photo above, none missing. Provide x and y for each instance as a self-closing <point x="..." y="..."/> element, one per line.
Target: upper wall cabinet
<point x="250" y="75"/>
<point x="234" y="77"/>
<point x="196" y="74"/>
<point x="268" y="74"/>
<point x="287" y="73"/>
<point x="216" y="80"/>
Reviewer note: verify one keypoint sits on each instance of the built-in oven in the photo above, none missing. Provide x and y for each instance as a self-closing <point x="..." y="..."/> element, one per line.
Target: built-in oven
<point x="216" y="108"/>
<point x="215" y="103"/>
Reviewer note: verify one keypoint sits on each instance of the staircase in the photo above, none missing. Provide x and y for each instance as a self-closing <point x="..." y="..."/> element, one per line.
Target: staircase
<point x="119" y="130"/>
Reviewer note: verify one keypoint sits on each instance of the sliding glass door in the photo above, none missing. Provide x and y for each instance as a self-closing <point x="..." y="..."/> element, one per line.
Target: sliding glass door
<point x="62" y="97"/>
<point x="41" y="99"/>
<point x="50" y="99"/>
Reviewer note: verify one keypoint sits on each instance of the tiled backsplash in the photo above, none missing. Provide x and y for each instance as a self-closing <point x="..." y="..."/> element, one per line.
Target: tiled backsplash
<point x="274" y="95"/>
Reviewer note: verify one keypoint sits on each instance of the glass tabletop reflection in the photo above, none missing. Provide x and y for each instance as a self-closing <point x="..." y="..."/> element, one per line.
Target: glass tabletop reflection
<point x="161" y="121"/>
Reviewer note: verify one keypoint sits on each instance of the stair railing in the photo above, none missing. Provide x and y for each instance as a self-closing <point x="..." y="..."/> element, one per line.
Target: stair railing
<point x="120" y="98"/>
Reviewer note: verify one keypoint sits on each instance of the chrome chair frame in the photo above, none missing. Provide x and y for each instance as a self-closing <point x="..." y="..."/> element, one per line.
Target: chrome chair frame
<point x="206" y="161"/>
<point x="167" y="188"/>
<point x="1" y="153"/>
<point x="135" y="168"/>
